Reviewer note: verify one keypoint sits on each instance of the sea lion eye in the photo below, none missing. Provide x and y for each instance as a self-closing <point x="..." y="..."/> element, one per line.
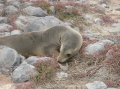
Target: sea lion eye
<point x="68" y="55"/>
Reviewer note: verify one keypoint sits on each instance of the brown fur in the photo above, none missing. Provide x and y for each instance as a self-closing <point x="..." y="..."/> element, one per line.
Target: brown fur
<point x="60" y="38"/>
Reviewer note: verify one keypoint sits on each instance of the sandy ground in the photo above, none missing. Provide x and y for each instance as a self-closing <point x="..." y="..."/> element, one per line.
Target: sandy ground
<point x="5" y="82"/>
<point x="72" y="82"/>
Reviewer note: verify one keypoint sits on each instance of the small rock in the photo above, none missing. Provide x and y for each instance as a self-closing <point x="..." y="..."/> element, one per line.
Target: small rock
<point x="105" y="2"/>
<point x="5" y="27"/>
<point x="88" y="17"/>
<point x="16" y="32"/>
<point x="116" y="25"/>
<point x="96" y="85"/>
<point x="116" y="29"/>
<point x="35" y="11"/>
<point x="98" y="21"/>
<point x="34" y="59"/>
<point x="83" y="1"/>
<point x="69" y="7"/>
<point x="16" y="4"/>
<point x="21" y="22"/>
<point x="26" y="4"/>
<point x="94" y="48"/>
<point x="23" y="73"/>
<point x="11" y="10"/>
<point x="3" y="20"/>
<point x="61" y="75"/>
<point x="10" y="2"/>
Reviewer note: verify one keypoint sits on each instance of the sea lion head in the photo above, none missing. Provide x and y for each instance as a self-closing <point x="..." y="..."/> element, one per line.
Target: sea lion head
<point x="69" y="48"/>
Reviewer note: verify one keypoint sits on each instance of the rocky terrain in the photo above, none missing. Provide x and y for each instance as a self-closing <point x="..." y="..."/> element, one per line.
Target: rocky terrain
<point x="96" y="67"/>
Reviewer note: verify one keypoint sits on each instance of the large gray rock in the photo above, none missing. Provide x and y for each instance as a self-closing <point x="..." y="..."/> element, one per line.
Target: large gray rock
<point x="32" y="23"/>
<point x="5" y="27"/>
<point x="11" y="10"/>
<point x="23" y="73"/>
<point x="9" y="59"/>
<point x="94" y="48"/>
<point x="34" y="11"/>
<point x="96" y="85"/>
<point x="3" y="19"/>
<point x="42" y="23"/>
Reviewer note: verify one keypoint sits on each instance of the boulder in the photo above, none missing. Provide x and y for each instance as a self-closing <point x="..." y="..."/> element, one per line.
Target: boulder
<point x="11" y="10"/>
<point x="9" y="59"/>
<point x="96" y="85"/>
<point x="21" y="21"/>
<point x="42" y="23"/>
<point x="34" y="11"/>
<point x="94" y="48"/>
<point x="23" y="73"/>
<point x="3" y="19"/>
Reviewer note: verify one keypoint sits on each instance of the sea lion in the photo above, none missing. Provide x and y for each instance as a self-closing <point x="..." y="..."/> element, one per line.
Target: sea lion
<point x="64" y="39"/>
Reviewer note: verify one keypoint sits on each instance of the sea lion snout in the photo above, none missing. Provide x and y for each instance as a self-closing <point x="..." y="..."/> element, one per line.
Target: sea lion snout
<point x="61" y="60"/>
<point x="64" y="59"/>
